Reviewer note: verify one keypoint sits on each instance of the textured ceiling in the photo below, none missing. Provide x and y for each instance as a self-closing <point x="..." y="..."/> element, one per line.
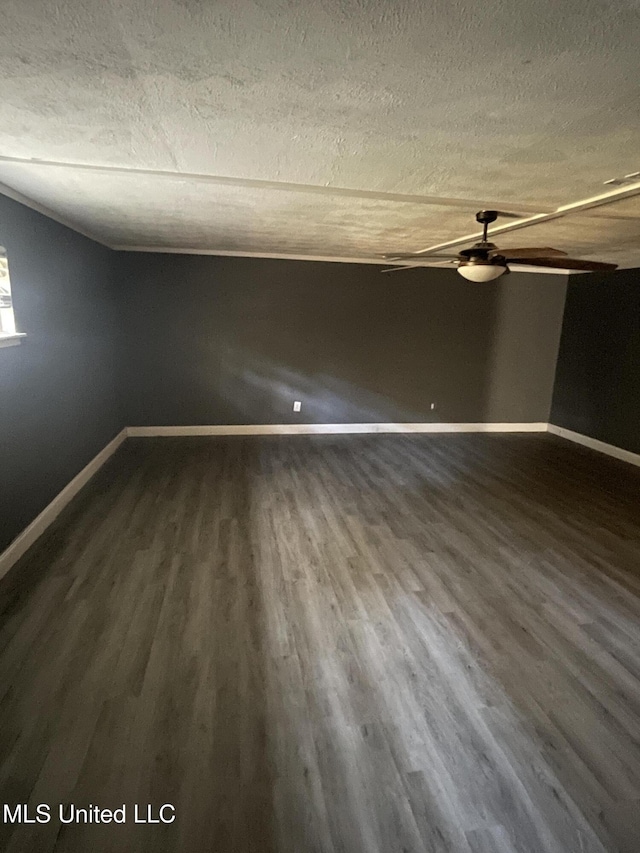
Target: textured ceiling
<point x="455" y="103"/>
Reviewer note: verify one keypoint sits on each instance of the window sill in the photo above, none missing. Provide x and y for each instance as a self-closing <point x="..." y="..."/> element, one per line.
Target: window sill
<point x="11" y="340"/>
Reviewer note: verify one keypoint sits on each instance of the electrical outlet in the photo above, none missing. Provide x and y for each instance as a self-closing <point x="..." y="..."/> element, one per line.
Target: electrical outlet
<point x="433" y="405"/>
<point x="297" y="405"/>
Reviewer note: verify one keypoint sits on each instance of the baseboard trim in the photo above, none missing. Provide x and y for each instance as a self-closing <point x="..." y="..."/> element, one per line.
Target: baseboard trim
<point x="30" y="534"/>
<point x="596" y="444"/>
<point x="329" y="429"/>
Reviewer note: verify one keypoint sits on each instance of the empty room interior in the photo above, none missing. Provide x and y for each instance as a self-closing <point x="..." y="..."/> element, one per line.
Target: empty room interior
<point x="320" y="426"/>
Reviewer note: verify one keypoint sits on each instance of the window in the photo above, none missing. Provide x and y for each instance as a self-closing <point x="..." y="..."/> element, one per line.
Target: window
<point x="8" y="332"/>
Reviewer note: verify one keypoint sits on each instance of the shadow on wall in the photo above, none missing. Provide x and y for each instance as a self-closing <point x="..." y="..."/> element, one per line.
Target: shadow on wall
<point x="325" y="398"/>
<point x="247" y="337"/>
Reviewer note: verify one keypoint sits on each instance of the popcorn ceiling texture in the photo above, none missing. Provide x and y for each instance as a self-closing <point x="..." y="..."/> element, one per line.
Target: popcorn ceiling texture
<point x="532" y="104"/>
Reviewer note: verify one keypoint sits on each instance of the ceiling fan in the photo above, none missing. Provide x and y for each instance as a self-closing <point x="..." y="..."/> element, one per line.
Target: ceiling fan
<point x="484" y="261"/>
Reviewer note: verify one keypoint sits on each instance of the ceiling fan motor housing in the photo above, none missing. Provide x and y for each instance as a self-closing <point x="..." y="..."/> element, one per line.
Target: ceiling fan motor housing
<point x="479" y="255"/>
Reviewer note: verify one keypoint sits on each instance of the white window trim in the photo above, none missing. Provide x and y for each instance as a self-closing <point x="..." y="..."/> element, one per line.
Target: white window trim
<point x="11" y="340"/>
<point x="9" y="336"/>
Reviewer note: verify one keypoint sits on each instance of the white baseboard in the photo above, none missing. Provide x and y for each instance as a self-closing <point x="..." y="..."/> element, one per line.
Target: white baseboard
<point x="330" y="429"/>
<point x="37" y="527"/>
<point x="595" y="444"/>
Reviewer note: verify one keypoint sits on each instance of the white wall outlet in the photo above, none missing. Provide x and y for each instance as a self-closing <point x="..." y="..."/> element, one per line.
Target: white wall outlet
<point x="297" y="405"/>
<point x="433" y="405"/>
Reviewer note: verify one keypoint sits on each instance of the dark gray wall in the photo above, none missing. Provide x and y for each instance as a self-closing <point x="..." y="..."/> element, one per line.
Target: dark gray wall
<point x="232" y="340"/>
<point x="58" y="401"/>
<point x="597" y="387"/>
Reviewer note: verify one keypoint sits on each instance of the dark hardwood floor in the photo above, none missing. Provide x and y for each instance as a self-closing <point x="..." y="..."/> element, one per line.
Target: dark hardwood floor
<point x="356" y="644"/>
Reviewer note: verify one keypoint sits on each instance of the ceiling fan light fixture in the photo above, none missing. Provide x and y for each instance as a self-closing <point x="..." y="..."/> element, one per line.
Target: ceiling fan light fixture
<point x="484" y="261"/>
<point x="481" y="272"/>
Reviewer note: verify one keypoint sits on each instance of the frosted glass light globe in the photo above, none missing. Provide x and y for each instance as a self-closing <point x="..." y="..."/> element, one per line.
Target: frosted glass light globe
<point x="481" y="272"/>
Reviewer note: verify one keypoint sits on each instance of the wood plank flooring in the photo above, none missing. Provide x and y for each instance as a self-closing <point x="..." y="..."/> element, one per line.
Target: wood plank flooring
<point x="346" y="644"/>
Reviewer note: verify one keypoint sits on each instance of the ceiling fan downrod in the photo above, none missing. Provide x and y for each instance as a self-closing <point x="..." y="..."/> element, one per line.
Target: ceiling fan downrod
<point x="485" y="218"/>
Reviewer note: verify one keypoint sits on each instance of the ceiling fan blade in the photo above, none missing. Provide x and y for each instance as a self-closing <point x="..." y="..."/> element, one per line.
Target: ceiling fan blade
<point x="439" y="265"/>
<point x="509" y="215"/>
<point x="563" y="263"/>
<point x="543" y="252"/>
<point x="417" y="257"/>
<point x="403" y="267"/>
